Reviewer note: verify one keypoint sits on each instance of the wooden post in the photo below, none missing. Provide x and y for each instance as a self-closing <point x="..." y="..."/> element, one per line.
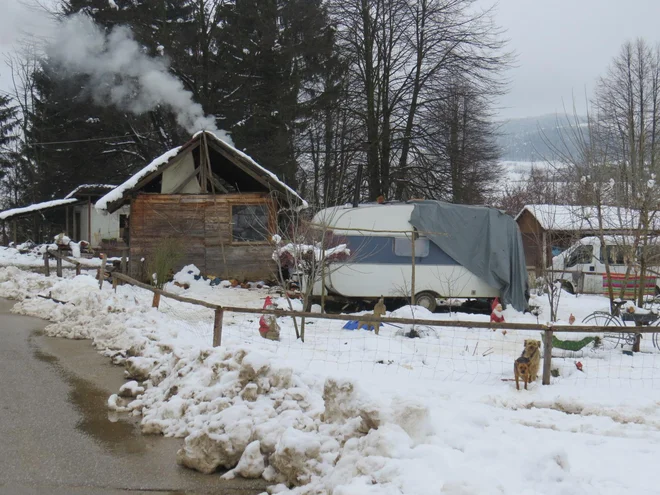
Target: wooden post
<point x="89" y="220"/>
<point x="66" y="228"/>
<point x="104" y="260"/>
<point x="156" y="301"/>
<point x="547" y="356"/>
<point x="638" y="342"/>
<point x="15" y="232"/>
<point x="58" y="261"/>
<point x="74" y="233"/>
<point x="78" y="269"/>
<point x="46" y="264"/>
<point x="217" y="327"/>
<point x="123" y="262"/>
<point x="5" y="240"/>
<point x="114" y="283"/>
<point x="412" y="278"/>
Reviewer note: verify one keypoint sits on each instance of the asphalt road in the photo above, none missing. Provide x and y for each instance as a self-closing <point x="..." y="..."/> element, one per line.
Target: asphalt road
<point x="57" y="436"/>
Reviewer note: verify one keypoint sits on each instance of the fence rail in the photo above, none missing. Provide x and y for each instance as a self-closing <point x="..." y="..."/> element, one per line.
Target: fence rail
<point x="549" y="331"/>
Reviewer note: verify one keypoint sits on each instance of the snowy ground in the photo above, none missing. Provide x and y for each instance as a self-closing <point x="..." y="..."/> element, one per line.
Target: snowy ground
<point x="349" y="412"/>
<point x="12" y="257"/>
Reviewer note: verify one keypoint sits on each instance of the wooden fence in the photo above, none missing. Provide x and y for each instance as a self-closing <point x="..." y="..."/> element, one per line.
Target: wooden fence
<point x="547" y="329"/>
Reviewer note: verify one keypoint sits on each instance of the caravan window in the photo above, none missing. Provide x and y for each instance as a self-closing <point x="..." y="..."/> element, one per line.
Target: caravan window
<point x="403" y="247"/>
<point x="618" y="255"/>
<point x="582" y="254"/>
<point x="651" y="254"/>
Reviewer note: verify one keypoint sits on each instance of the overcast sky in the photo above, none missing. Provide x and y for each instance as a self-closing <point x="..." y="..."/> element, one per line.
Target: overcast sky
<point x="562" y="45"/>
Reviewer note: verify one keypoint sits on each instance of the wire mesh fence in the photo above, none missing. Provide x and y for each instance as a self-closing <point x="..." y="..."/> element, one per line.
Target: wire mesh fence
<point x="460" y="351"/>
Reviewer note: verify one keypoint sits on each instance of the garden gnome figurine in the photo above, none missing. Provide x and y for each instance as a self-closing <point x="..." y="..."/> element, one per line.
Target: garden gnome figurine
<point x="496" y="315"/>
<point x="268" y="327"/>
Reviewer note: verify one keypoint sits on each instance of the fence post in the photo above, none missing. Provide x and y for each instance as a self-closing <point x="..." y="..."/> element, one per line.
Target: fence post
<point x="217" y="327"/>
<point x="123" y="263"/>
<point x="78" y="269"/>
<point x="58" y="261"/>
<point x="156" y="301"/>
<point x="104" y="260"/>
<point x="547" y="355"/>
<point x="46" y="264"/>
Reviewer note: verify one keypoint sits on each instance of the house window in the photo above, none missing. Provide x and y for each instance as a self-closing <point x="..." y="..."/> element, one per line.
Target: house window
<point x="403" y="247"/>
<point x="250" y="223"/>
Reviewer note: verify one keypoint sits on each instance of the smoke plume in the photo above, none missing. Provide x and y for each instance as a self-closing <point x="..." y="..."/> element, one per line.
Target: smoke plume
<point x="121" y="74"/>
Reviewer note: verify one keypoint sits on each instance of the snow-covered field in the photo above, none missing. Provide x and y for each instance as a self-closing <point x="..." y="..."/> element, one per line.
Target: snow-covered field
<point x="350" y="412"/>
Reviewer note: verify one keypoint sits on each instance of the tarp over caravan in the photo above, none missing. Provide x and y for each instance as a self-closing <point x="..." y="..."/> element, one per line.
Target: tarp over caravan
<point x="484" y="240"/>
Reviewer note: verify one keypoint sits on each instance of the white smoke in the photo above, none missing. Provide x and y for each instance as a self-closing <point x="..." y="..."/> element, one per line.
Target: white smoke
<point x="123" y="75"/>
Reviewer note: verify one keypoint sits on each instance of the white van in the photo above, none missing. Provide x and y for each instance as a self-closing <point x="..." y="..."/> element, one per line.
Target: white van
<point x="380" y="239"/>
<point x="581" y="267"/>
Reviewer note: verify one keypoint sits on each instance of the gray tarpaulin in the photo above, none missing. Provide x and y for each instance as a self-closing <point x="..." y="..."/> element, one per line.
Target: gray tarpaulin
<point x="484" y="240"/>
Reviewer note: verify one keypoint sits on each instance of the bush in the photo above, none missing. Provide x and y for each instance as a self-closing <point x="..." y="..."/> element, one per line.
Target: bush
<point x="161" y="263"/>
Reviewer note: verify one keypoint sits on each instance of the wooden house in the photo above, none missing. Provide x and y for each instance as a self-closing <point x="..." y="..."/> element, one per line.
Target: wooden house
<point x="214" y="201"/>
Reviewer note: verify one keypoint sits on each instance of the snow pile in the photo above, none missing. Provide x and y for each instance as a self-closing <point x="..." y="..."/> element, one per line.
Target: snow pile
<point x="243" y="408"/>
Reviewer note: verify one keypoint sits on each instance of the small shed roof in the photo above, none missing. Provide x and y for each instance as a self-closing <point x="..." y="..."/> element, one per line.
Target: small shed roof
<point x="26" y="210"/>
<point x="251" y="170"/>
<point x="90" y="190"/>
<point x="585" y="218"/>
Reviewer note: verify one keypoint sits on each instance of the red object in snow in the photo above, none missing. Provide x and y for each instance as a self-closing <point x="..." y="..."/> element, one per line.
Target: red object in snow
<point x="263" y="324"/>
<point x="495" y="318"/>
<point x="578" y="365"/>
<point x="494" y="304"/>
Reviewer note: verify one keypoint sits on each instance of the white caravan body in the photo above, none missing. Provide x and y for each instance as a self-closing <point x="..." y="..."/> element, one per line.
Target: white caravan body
<point x="380" y="263"/>
<point x="582" y="266"/>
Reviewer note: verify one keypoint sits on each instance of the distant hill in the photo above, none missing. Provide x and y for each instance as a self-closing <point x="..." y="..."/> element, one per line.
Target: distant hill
<point x="526" y="139"/>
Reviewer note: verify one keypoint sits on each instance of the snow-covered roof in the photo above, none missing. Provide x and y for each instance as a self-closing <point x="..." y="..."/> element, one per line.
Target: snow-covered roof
<point x="35" y="207"/>
<point x="114" y="198"/>
<point x="90" y="188"/>
<point x="585" y="218"/>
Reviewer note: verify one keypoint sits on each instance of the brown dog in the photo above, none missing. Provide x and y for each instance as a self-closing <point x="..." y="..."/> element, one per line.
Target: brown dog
<point x="521" y="371"/>
<point x="532" y="352"/>
<point x="379" y="310"/>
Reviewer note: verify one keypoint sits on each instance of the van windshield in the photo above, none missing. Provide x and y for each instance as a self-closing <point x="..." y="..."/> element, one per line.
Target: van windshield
<point x="618" y="255"/>
<point x="581" y="254"/>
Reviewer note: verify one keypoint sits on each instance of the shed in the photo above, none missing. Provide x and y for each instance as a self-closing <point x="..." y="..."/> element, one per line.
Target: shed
<point x="219" y="204"/>
<point x="73" y="215"/>
<point x="545" y="227"/>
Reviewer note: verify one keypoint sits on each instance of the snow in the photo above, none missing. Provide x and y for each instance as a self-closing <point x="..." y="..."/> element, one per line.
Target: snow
<point x="118" y="192"/>
<point x="35" y="207"/>
<point x="565" y="217"/>
<point x="325" y="416"/>
<point x="12" y="257"/>
<point x="82" y="187"/>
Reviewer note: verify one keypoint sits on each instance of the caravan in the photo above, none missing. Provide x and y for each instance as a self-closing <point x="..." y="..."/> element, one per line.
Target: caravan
<point x="439" y="251"/>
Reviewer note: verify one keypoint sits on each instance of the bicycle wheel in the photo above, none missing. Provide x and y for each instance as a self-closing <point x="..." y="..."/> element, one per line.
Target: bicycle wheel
<point x="605" y="319"/>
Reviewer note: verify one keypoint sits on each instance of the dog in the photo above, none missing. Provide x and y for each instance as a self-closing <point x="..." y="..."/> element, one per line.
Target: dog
<point x="532" y="352"/>
<point x="379" y="310"/>
<point x="521" y="368"/>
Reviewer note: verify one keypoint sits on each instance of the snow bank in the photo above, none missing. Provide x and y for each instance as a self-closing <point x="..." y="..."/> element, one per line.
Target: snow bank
<point x="243" y="408"/>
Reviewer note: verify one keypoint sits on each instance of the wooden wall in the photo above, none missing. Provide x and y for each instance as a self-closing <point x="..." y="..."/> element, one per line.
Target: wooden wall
<point x="203" y="223"/>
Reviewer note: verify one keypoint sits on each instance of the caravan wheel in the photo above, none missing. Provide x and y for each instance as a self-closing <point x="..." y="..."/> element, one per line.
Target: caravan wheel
<point x="426" y="300"/>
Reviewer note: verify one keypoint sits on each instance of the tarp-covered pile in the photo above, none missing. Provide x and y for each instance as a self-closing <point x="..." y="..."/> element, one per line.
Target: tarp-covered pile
<point x="484" y="240"/>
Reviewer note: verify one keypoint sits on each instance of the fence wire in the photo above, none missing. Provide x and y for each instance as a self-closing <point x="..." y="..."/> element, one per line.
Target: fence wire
<point x="437" y="352"/>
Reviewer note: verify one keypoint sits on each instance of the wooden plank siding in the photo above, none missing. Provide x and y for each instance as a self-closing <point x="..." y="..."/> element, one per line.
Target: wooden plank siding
<point x="204" y="223"/>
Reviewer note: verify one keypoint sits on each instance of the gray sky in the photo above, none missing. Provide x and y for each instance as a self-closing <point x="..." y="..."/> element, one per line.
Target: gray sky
<point x="562" y="45"/>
